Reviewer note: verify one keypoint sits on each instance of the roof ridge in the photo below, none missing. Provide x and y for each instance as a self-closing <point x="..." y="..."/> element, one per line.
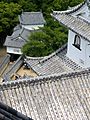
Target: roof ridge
<point x="9" y="113"/>
<point x="65" y="20"/>
<point x="19" y="35"/>
<point x="72" y="10"/>
<point x="54" y="53"/>
<point x="31" y="12"/>
<point x="44" y="78"/>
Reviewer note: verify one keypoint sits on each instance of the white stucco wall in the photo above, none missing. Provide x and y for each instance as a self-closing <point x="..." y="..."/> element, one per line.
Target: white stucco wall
<point x="81" y="57"/>
<point x="87" y="58"/>
<point x="32" y="27"/>
<point x="14" y="50"/>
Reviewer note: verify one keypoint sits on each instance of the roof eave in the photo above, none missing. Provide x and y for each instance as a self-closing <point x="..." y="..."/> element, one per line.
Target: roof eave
<point x="70" y="28"/>
<point x="34" y="23"/>
<point x="70" y="11"/>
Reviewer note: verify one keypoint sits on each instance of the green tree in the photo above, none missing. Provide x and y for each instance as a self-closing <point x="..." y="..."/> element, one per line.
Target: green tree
<point x="8" y="18"/>
<point x="27" y="5"/>
<point x="44" y="42"/>
<point x="74" y="2"/>
<point x="57" y="34"/>
<point x="38" y="45"/>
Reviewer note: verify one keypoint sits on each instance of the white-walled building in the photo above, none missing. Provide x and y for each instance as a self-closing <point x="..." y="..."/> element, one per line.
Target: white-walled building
<point x="58" y="93"/>
<point x="77" y="20"/>
<point x="29" y="22"/>
<point x="15" y="42"/>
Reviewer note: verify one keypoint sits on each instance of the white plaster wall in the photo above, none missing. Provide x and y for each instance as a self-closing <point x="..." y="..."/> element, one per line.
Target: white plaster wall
<point x="32" y="27"/>
<point x="81" y="57"/>
<point x="87" y="51"/>
<point x="14" y="50"/>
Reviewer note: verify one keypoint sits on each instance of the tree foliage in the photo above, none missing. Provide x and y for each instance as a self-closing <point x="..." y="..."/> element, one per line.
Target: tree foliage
<point x="8" y="18"/>
<point x="27" y="5"/>
<point x="53" y="35"/>
<point x="38" y="45"/>
<point x="45" y="42"/>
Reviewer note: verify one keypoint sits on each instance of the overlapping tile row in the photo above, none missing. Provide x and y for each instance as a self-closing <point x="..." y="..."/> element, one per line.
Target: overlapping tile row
<point x="12" y="69"/>
<point x="33" y="61"/>
<point x="4" y="63"/>
<point x="57" y="62"/>
<point x="75" y="24"/>
<point x="18" y="63"/>
<point x="55" y="97"/>
<point x="8" y="113"/>
<point x="72" y="10"/>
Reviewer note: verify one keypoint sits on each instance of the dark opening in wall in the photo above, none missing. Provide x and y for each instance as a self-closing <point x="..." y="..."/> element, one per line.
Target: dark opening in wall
<point x="14" y="57"/>
<point x="77" y="42"/>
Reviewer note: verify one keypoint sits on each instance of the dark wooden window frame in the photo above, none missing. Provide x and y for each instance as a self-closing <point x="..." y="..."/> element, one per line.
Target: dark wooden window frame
<point x="77" y="42"/>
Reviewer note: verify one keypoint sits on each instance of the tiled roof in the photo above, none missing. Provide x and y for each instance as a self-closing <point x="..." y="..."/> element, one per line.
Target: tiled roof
<point x="55" y="97"/>
<point x="31" y="18"/>
<point x="17" y="28"/>
<point x="56" y="62"/>
<point x="8" y="113"/>
<point x="72" y="10"/>
<point x="76" y="24"/>
<point x="18" y="38"/>
<point x="20" y="34"/>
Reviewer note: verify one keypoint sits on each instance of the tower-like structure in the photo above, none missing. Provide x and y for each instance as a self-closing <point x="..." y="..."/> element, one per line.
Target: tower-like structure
<point x="77" y="19"/>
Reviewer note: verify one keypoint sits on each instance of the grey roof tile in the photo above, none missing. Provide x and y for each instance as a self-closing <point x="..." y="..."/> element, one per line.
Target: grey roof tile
<point x="17" y="42"/>
<point x="31" y="18"/>
<point x="76" y="24"/>
<point x="17" y="27"/>
<point x="54" y="97"/>
<point x="8" y="113"/>
<point x="74" y="9"/>
<point x="20" y="35"/>
<point x="18" y="38"/>
<point x="56" y="62"/>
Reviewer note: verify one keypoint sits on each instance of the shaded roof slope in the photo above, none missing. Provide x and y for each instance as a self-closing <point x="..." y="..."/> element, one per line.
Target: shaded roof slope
<point x="20" y="34"/>
<point x="55" y="97"/>
<point x="74" y="9"/>
<point x="31" y="18"/>
<point x="56" y="62"/>
<point x="8" y="113"/>
<point x="76" y="24"/>
<point x="18" y="38"/>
